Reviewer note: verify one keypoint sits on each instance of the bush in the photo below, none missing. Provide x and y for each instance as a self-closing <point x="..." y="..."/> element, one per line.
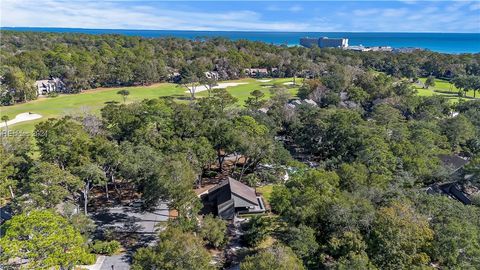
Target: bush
<point x="104" y="247"/>
<point x="87" y="259"/>
<point x="214" y="231"/>
<point x="52" y="94"/>
<point x="476" y="199"/>
<point x="256" y="230"/>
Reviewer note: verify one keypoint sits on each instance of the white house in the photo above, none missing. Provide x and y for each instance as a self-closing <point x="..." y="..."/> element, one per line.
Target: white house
<point x="45" y="87"/>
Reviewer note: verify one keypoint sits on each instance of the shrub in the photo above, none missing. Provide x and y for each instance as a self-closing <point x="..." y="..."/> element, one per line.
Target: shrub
<point x="104" y="247"/>
<point x="476" y="199"/>
<point x="88" y="259"/>
<point x="214" y="231"/>
<point x="256" y="230"/>
<point x="52" y="94"/>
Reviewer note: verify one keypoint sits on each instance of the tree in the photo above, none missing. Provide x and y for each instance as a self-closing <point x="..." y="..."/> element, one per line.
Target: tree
<point x="190" y="78"/>
<point x="124" y="93"/>
<point x="276" y="257"/>
<point x="353" y="176"/>
<point x="306" y="196"/>
<point x="430" y="81"/>
<point x="399" y="238"/>
<point x="43" y="238"/>
<point x="256" y="230"/>
<point x="222" y="98"/>
<point x="107" y="155"/>
<point x="252" y="141"/>
<point x="209" y="82"/>
<point x="91" y="175"/>
<point x="458" y="130"/>
<point x="255" y="101"/>
<point x="354" y="261"/>
<point x="456" y="244"/>
<point x="175" y="250"/>
<point x="18" y="83"/>
<point x="467" y="83"/>
<point x="213" y="231"/>
<point x="48" y="185"/>
<point x="302" y="241"/>
<point x="5" y="119"/>
<point x="62" y="141"/>
<point x="473" y="170"/>
<point x="7" y="169"/>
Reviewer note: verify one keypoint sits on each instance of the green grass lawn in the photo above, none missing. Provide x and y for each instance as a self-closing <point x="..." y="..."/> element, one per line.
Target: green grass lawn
<point x="266" y="192"/>
<point x="93" y="100"/>
<point x="444" y="88"/>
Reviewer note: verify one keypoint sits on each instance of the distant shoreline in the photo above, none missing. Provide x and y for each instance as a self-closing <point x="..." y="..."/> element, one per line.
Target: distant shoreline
<point x="215" y="31"/>
<point x="453" y="43"/>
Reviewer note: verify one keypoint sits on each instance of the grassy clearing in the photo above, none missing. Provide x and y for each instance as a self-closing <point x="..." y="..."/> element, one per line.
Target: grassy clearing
<point x="442" y="87"/>
<point x="93" y="100"/>
<point x="266" y="192"/>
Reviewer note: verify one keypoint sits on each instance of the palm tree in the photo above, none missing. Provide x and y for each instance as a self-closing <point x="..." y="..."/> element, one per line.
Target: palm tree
<point x="5" y="119"/>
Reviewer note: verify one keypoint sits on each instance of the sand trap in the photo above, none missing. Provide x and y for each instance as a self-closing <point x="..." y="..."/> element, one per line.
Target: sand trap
<point x="263" y="80"/>
<point x="288" y="83"/>
<point x="202" y="88"/>
<point x="23" y="117"/>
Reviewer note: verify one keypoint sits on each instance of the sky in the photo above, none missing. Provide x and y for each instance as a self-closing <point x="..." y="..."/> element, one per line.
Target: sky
<point x="288" y="16"/>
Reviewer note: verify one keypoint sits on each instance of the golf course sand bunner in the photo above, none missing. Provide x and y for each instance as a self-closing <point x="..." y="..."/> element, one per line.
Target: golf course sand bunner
<point x="202" y="88"/>
<point x="23" y="117"/>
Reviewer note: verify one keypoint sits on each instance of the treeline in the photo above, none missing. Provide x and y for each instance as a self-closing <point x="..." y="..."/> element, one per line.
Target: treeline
<point x="87" y="61"/>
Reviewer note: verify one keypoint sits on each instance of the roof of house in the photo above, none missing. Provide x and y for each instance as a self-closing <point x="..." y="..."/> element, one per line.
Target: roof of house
<point x="243" y="191"/>
<point x="239" y="189"/>
<point x="453" y="162"/>
<point x="452" y="190"/>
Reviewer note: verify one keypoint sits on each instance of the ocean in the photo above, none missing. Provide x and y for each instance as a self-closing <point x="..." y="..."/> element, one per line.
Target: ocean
<point x="439" y="42"/>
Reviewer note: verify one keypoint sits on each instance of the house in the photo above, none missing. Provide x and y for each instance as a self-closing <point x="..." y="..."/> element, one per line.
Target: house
<point x="212" y="75"/>
<point x="44" y="87"/>
<point x="231" y="197"/>
<point x="256" y="72"/>
<point x="6" y="213"/>
<point x="454" y="164"/>
<point x="451" y="190"/>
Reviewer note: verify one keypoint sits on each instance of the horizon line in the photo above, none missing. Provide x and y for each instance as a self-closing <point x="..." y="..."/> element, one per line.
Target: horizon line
<point x="260" y="31"/>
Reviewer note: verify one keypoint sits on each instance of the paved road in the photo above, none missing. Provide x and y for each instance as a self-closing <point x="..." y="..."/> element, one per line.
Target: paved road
<point x="119" y="262"/>
<point x="130" y="219"/>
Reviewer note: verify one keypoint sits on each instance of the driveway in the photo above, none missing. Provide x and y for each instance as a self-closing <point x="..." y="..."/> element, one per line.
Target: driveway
<point x="130" y="220"/>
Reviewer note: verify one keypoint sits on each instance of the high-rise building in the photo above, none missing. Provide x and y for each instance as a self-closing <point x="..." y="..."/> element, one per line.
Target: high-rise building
<point x="324" y="42"/>
<point x="309" y="42"/>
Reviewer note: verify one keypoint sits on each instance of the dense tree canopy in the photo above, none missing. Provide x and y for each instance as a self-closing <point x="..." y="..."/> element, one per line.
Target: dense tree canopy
<point x="43" y="238"/>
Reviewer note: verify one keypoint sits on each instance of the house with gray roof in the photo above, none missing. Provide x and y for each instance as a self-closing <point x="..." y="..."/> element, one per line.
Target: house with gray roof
<point x="454" y="165"/>
<point x="231" y="198"/>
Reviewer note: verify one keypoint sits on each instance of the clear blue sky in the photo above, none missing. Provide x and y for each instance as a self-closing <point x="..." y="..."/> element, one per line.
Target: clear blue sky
<point x="323" y="16"/>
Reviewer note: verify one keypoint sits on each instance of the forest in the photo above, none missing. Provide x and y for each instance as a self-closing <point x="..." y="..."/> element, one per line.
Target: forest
<point x="359" y="160"/>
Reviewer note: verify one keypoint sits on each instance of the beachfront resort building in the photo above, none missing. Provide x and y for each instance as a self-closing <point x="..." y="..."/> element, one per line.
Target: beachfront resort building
<point x="324" y="42"/>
